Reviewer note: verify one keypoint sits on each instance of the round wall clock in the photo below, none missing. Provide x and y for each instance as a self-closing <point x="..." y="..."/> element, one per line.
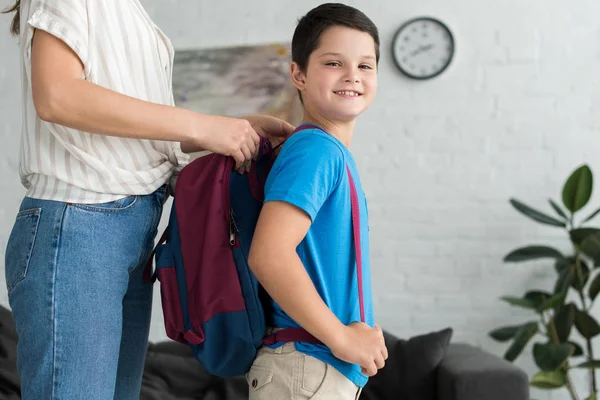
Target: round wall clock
<point x="423" y="48"/>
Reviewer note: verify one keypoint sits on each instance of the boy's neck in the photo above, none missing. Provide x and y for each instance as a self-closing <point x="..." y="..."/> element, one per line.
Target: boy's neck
<point x="341" y="130"/>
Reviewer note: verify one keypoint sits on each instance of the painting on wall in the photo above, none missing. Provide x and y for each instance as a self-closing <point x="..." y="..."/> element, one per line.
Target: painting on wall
<point x="237" y="81"/>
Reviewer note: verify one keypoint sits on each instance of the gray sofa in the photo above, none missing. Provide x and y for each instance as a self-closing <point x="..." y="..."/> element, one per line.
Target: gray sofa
<point x="461" y="372"/>
<point x="469" y="373"/>
<point x="464" y="373"/>
<point x="431" y="367"/>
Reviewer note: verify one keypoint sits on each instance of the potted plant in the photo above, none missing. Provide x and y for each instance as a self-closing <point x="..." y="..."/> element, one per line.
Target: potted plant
<point x="565" y="307"/>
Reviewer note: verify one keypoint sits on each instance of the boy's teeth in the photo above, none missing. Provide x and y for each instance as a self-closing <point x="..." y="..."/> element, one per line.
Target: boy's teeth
<point x="347" y="93"/>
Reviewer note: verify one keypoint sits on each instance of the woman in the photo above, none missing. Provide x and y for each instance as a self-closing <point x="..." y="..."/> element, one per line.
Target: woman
<point x="100" y="141"/>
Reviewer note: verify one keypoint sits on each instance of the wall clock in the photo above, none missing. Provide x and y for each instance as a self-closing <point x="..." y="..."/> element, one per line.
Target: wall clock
<point x="423" y="48"/>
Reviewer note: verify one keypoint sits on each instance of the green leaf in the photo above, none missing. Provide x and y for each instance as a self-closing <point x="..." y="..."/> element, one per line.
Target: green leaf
<point x="592" y="216"/>
<point x="563" y="281"/>
<point x="563" y="322"/>
<point x="586" y="324"/>
<point x="591" y="247"/>
<point x="536" y="215"/>
<point x="549" y="379"/>
<point x="578" y="282"/>
<point x="580" y="234"/>
<point x="577" y="349"/>
<point x="578" y="189"/>
<point x="592" y="397"/>
<point x="523" y="336"/>
<point x="594" y="288"/>
<point x="558" y="210"/>
<point x="568" y="275"/>
<point x="550" y="356"/>
<point x="565" y="263"/>
<point x="537" y="297"/>
<point x="519" y="302"/>
<point x="506" y="333"/>
<point x="551" y="302"/>
<point x="589" y="364"/>
<point x="532" y="253"/>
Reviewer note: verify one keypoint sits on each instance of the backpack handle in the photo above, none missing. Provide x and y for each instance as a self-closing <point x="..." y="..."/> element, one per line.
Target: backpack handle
<point x="149" y="274"/>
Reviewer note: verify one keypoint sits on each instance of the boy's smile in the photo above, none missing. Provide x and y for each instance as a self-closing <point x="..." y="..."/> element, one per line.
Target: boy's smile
<point x="347" y="93"/>
<point x="340" y="80"/>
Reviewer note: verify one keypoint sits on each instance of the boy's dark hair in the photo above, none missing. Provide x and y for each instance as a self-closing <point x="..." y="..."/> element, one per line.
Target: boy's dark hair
<point x="312" y="25"/>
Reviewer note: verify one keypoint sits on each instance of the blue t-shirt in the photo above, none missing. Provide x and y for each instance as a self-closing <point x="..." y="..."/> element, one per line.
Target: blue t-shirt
<point x="310" y="173"/>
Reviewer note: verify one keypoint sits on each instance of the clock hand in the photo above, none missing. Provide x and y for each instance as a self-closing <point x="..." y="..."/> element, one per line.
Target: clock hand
<point x="416" y="52"/>
<point x="427" y="47"/>
<point x="421" y="49"/>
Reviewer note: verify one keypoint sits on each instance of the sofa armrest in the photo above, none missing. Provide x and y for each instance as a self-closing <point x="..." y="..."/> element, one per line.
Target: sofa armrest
<point x="470" y="373"/>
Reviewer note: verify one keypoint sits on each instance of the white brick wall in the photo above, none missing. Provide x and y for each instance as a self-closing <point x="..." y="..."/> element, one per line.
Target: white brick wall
<point x="515" y="113"/>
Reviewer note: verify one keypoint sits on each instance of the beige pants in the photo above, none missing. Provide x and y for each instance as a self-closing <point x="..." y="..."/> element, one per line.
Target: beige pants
<point x="286" y="374"/>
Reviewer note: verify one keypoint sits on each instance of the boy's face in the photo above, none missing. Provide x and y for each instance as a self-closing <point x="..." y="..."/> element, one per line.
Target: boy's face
<point x="341" y="76"/>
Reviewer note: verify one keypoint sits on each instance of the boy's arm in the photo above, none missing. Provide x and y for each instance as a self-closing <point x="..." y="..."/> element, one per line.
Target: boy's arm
<point x="274" y="261"/>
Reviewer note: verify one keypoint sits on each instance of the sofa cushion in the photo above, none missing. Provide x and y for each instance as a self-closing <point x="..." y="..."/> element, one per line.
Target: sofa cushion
<point x="172" y="373"/>
<point x="410" y="371"/>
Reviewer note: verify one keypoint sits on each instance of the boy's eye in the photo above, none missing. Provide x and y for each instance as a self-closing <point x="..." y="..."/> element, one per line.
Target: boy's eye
<point x="333" y="64"/>
<point x="365" y="66"/>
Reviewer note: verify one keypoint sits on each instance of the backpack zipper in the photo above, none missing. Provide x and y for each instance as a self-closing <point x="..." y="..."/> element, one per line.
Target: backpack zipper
<point x="229" y="210"/>
<point x="233" y="228"/>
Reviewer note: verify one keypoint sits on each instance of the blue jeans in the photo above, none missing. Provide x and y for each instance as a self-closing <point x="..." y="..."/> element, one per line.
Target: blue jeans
<point x="74" y="274"/>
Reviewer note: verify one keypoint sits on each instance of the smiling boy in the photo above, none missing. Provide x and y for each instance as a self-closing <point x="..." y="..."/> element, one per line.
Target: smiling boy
<point x="303" y="249"/>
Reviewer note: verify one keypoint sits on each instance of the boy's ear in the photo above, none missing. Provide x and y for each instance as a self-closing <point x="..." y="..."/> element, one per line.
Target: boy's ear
<point x="298" y="77"/>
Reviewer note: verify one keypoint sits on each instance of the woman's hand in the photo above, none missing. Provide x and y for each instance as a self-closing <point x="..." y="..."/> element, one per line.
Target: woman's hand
<point x="276" y="130"/>
<point x="233" y="137"/>
<point x="236" y="137"/>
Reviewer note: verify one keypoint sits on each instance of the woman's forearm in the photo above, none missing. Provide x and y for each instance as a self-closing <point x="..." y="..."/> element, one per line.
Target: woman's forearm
<point x="284" y="277"/>
<point x="85" y="106"/>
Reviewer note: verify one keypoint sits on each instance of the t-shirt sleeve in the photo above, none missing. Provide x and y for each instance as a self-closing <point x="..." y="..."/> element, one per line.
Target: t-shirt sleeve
<point x="65" y="19"/>
<point x="306" y="173"/>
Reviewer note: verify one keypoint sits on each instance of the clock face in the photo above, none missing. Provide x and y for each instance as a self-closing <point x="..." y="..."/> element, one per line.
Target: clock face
<point x="423" y="48"/>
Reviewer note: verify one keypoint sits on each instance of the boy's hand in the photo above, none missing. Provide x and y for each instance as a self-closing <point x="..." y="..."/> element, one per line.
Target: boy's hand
<point x="360" y="344"/>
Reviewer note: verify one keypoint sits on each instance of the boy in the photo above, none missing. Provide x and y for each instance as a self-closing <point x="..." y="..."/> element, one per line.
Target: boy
<point x="303" y="249"/>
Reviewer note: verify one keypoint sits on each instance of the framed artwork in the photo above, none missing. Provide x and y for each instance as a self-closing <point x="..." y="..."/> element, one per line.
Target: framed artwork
<point x="237" y="81"/>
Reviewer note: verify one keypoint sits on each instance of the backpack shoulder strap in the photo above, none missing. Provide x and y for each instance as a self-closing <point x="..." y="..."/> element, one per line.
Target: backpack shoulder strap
<point x="299" y="334"/>
<point x="356" y="235"/>
<point x="355" y="225"/>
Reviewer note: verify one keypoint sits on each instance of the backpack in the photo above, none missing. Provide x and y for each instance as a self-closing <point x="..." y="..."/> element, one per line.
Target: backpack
<point x="211" y="300"/>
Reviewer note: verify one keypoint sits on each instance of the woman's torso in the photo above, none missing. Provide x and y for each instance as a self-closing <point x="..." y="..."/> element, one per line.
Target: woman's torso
<point x="122" y="50"/>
